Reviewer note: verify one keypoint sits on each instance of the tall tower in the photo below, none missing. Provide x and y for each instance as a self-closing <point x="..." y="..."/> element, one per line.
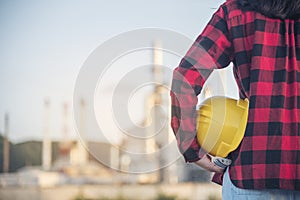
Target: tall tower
<point x="157" y="68"/>
<point x="82" y="152"/>
<point x="161" y="118"/>
<point x="161" y="136"/>
<point x="65" y="144"/>
<point x="154" y="100"/>
<point x="6" y="145"/>
<point x="46" y="154"/>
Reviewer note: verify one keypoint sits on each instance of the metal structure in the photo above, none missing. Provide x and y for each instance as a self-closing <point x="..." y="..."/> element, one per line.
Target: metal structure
<point x="47" y="147"/>
<point x="6" y="145"/>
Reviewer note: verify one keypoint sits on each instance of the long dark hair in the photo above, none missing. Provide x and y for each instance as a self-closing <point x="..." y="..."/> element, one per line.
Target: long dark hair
<point x="283" y="9"/>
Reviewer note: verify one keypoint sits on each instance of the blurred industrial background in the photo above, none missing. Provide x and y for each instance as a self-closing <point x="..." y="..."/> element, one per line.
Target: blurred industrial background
<point x="58" y="164"/>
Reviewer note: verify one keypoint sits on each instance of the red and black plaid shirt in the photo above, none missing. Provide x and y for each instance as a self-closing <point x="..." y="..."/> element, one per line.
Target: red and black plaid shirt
<point x="265" y="53"/>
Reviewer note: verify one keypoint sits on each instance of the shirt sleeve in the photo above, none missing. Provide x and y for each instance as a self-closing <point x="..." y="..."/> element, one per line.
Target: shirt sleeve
<point x="211" y="50"/>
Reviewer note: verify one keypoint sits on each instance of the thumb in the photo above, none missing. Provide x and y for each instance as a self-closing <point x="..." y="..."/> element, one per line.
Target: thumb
<point x="205" y="163"/>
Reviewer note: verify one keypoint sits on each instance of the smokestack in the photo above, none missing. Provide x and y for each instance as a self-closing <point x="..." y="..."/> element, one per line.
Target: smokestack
<point x="6" y="145"/>
<point x="154" y="98"/>
<point x="82" y="152"/>
<point x="157" y="61"/>
<point x="65" y="122"/>
<point x="65" y="144"/>
<point x="160" y="136"/>
<point x="163" y="132"/>
<point x="46" y="156"/>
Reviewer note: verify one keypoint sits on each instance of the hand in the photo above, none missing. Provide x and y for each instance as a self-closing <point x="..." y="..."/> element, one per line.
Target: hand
<point x="205" y="163"/>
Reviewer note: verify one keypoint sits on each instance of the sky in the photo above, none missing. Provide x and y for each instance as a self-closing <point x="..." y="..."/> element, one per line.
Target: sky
<point x="44" y="45"/>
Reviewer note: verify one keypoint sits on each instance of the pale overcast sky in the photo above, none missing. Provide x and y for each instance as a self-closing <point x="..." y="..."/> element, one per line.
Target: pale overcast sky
<point x="44" y="44"/>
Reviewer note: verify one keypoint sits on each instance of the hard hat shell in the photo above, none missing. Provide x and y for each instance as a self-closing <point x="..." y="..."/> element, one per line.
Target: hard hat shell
<point x="221" y="124"/>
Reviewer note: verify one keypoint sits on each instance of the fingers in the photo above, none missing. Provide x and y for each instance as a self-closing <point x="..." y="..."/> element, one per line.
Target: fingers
<point x="206" y="164"/>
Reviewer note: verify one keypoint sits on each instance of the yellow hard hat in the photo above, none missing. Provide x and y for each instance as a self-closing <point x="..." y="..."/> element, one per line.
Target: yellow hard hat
<point x="221" y="124"/>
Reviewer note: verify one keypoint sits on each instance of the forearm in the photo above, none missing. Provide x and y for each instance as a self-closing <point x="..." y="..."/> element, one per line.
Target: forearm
<point x="183" y="122"/>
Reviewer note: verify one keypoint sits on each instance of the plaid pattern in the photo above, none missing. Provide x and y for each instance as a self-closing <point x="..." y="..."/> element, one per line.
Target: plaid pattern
<point x="266" y="57"/>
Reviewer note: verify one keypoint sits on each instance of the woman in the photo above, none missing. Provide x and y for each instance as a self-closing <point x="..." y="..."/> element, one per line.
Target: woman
<point x="262" y="40"/>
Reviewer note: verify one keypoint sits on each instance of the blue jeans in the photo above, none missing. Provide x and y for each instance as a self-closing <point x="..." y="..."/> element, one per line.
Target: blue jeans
<point x="231" y="192"/>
